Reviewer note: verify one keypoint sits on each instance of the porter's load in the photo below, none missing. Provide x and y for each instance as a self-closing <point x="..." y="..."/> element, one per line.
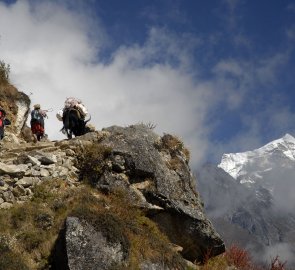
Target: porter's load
<point x="76" y="103"/>
<point x="59" y="115"/>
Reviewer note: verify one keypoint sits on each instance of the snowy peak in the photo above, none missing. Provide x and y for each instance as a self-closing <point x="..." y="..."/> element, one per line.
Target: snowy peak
<point x="249" y="167"/>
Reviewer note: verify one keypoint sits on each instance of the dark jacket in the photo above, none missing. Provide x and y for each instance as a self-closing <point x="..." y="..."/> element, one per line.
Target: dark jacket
<point x="38" y="116"/>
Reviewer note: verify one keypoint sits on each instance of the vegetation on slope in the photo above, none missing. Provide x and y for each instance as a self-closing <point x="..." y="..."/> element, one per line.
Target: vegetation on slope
<point x="9" y="95"/>
<point x="239" y="259"/>
<point x="28" y="231"/>
<point x="4" y="73"/>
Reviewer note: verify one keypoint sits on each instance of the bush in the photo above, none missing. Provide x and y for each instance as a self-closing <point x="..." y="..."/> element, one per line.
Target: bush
<point x="92" y="162"/>
<point x="276" y="264"/>
<point x="238" y="257"/>
<point x="4" y="72"/>
<point x="175" y="146"/>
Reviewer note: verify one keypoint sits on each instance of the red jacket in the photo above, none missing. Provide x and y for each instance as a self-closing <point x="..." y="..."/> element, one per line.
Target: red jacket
<point x="2" y="115"/>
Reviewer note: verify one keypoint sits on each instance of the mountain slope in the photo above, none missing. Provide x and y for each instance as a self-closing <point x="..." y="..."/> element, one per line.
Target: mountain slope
<point x="253" y="194"/>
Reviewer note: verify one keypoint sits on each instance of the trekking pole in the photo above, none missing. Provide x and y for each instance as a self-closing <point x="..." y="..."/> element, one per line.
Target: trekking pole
<point x="48" y="110"/>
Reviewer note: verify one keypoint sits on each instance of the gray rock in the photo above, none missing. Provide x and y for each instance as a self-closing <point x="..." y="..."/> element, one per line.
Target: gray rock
<point x="44" y="172"/>
<point x="86" y="248"/>
<point x="13" y="169"/>
<point x="25" y="159"/>
<point x="6" y="205"/>
<point x="8" y="196"/>
<point x="183" y="219"/>
<point x="19" y="191"/>
<point x="45" y="158"/>
<point x="28" y="181"/>
<point x="4" y="188"/>
<point x="28" y="192"/>
<point x="118" y="163"/>
<point x="62" y="171"/>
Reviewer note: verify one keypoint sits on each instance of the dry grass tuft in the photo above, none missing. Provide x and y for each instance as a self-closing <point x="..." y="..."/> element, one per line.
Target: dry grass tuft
<point x="174" y="146"/>
<point x="32" y="228"/>
<point x="92" y="162"/>
<point x="4" y="73"/>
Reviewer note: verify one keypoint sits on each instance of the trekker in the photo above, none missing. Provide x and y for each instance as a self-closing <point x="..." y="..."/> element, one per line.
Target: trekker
<point x="2" y="122"/>
<point x="37" y="122"/>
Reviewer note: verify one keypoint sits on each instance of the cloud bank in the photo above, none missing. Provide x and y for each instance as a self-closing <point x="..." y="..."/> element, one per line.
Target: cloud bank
<point x="57" y="52"/>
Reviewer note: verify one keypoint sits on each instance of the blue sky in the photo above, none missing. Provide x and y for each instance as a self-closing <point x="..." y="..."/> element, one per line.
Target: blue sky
<point x="219" y="74"/>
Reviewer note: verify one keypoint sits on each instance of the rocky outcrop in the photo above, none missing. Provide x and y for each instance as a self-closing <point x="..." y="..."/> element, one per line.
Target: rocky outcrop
<point x="24" y="166"/>
<point x="17" y="106"/>
<point x="155" y="170"/>
<point x="152" y="170"/>
<point x="86" y="248"/>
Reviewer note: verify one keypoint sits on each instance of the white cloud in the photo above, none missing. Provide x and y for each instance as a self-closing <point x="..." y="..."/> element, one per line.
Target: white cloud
<point x="51" y="55"/>
<point x="54" y="52"/>
<point x="285" y="252"/>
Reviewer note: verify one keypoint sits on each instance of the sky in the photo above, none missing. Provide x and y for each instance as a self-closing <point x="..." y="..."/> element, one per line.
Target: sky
<point x="219" y="74"/>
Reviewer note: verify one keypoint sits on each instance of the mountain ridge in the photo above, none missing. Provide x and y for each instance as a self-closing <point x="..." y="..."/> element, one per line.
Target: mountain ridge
<point x="264" y="158"/>
<point x="254" y="191"/>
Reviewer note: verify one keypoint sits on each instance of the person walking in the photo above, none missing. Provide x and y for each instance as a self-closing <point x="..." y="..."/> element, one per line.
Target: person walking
<point x="2" y="122"/>
<point x="37" y="122"/>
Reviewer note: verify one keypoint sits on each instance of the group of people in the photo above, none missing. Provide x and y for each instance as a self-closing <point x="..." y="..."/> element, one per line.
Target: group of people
<point x="38" y="115"/>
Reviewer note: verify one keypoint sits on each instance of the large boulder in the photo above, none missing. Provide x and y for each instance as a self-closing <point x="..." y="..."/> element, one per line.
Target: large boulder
<point x="81" y="246"/>
<point x="157" y="168"/>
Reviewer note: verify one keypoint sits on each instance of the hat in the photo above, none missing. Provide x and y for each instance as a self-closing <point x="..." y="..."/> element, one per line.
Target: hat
<point x="37" y="106"/>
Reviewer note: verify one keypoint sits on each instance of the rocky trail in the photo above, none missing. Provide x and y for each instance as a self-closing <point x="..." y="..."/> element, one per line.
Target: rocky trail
<point x="24" y="165"/>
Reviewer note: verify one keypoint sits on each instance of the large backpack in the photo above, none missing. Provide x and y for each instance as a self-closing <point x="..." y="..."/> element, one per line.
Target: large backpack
<point x="35" y="115"/>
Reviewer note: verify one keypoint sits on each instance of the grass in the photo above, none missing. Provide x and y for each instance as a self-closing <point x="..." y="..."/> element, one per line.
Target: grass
<point x="32" y="228"/>
<point x="4" y="73"/>
<point x="179" y="154"/>
<point x="8" y="259"/>
<point x="92" y="162"/>
<point x="175" y="146"/>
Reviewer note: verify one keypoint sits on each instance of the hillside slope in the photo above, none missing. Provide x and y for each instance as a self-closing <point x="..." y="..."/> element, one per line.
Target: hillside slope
<point x="120" y="198"/>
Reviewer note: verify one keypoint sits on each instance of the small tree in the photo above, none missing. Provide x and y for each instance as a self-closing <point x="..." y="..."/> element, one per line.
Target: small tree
<point x="4" y="72"/>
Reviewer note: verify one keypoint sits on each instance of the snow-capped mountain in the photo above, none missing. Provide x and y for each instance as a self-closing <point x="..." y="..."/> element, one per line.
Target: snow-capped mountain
<point x="254" y="167"/>
<point x="250" y="198"/>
